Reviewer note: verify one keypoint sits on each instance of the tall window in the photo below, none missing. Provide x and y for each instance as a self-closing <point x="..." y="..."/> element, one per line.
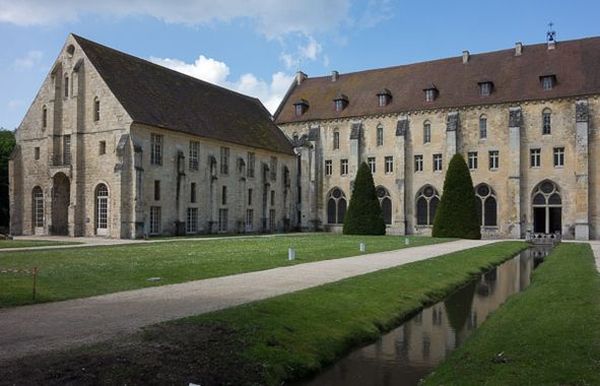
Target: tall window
<point x="336" y="140"/>
<point x="472" y="159"/>
<point x="66" y="91"/>
<point x="419" y="163"/>
<point x="547" y="121"/>
<point x="224" y="160"/>
<point x="38" y="207"/>
<point x="385" y="201"/>
<point x="427" y="203"/>
<point x="102" y="147"/>
<point x="389" y="164"/>
<point x="483" y="127"/>
<point x="535" y="156"/>
<point x="437" y="163"/>
<point x="494" y="159"/>
<point x="36" y="153"/>
<point x="336" y="206"/>
<point x="155" y="221"/>
<point x="156" y="190"/>
<point x="224" y="195"/>
<point x="272" y="220"/>
<point x="430" y="94"/>
<point x="426" y="132"/>
<point x="44" y="117"/>
<point x="194" y="155"/>
<point x="193" y="197"/>
<point x="328" y="167"/>
<point x="223" y="217"/>
<point x="66" y="150"/>
<point x="559" y="156"/>
<point x="251" y="162"/>
<point x="344" y="167"/>
<point x="101" y="209"/>
<point x="96" y="109"/>
<point x="487" y="205"/>
<point x="249" y="219"/>
<point x="372" y="164"/>
<point x="250" y="191"/>
<point x="191" y="225"/>
<point x="156" y="142"/>
<point x="273" y="169"/>
<point x="380" y="135"/>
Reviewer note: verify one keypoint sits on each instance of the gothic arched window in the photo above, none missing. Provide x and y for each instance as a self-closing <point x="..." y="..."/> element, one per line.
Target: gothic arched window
<point x="427" y="203"/>
<point x="336" y="206"/>
<point x="487" y="205"/>
<point x="385" y="200"/>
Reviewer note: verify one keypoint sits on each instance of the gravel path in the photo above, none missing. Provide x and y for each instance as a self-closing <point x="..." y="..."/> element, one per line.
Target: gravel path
<point x="51" y="326"/>
<point x="596" y="249"/>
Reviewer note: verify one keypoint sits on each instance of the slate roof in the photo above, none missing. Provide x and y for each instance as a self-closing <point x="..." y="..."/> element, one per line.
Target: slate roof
<point x="516" y="78"/>
<point x="160" y="97"/>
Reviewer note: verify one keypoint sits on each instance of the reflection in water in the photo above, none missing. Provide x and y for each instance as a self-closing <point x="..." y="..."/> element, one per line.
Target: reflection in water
<point x="409" y="352"/>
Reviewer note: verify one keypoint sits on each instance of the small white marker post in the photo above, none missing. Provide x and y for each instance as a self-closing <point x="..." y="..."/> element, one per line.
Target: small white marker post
<point x="291" y="254"/>
<point x="406" y="241"/>
<point x="363" y="247"/>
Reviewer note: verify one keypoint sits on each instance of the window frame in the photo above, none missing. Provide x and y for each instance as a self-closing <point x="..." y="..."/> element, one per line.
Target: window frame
<point x="418" y="165"/>
<point x="494" y="159"/>
<point x="389" y="164"/>
<point x="558" y="156"/>
<point x="438" y="162"/>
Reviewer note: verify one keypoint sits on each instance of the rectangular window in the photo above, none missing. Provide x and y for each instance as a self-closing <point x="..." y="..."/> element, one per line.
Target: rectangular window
<point x="485" y="88"/>
<point x="429" y="95"/>
<point x="67" y="150"/>
<point x="426" y="133"/>
<point x="224" y="160"/>
<point x="191" y="226"/>
<point x="38" y="207"/>
<point x="44" y="117"/>
<point x="193" y="192"/>
<point x="389" y="164"/>
<point x="372" y="164"/>
<point x="328" y="167"/>
<point x="344" y="167"/>
<point x="223" y="214"/>
<point x="249" y="219"/>
<point x="102" y="147"/>
<point x="194" y="155"/>
<point x="437" y="163"/>
<point x="36" y="153"/>
<point x="273" y="168"/>
<point x="494" y="159"/>
<point x="482" y="128"/>
<point x="250" y="166"/>
<point x="419" y="163"/>
<point x="336" y="140"/>
<point x="272" y="197"/>
<point x="559" y="156"/>
<point x="547" y="82"/>
<point x="379" y="136"/>
<point x="472" y="159"/>
<point x="272" y="221"/>
<point x="155" y="221"/>
<point x="250" y="197"/>
<point x="546" y="123"/>
<point x="156" y="141"/>
<point x="224" y="196"/>
<point x="96" y="109"/>
<point x="66" y="86"/>
<point x="535" y="158"/>
<point x="138" y="183"/>
<point x="156" y="190"/>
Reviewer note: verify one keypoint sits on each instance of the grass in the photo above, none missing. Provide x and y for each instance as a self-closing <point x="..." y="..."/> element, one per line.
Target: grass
<point x="32" y="243"/>
<point x="266" y="342"/>
<point x="549" y="334"/>
<point x="80" y="272"/>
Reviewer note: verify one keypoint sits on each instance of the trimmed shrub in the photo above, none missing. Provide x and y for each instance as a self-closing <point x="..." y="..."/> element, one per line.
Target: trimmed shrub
<point x="457" y="214"/>
<point x="364" y="216"/>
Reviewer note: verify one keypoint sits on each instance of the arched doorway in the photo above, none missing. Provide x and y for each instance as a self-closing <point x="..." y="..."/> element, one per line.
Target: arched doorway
<point x="547" y="208"/>
<point x="61" y="198"/>
<point x="37" y="210"/>
<point x="101" y="215"/>
<point x="385" y="200"/>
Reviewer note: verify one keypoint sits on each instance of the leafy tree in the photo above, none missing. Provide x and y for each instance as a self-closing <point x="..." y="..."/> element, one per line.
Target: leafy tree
<point x="364" y="216"/>
<point x="457" y="215"/>
<point x="7" y="143"/>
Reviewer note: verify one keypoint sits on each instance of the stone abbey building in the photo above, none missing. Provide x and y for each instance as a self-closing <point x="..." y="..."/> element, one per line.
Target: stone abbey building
<point x="116" y="146"/>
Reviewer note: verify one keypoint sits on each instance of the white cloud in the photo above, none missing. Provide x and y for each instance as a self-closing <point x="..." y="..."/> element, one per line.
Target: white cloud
<point x="269" y="92"/>
<point x="28" y="61"/>
<point x="14" y="104"/>
<point x="273" y="18"/>
<point x="311" y="49"/>
<point x="376" y="11"/>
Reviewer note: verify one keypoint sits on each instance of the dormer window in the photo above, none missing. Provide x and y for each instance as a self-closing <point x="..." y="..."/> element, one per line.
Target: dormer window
<point x="340" y="102"/>
<point x="485" y="88"/>
<point x="300" y="107"/>
<point x="548" y="81"/>
<point x="430" y="93"/>
<point x="384" y="97"/>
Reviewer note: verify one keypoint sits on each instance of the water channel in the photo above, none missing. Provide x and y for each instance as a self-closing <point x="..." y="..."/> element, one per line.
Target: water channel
<point x="411" y="351"/>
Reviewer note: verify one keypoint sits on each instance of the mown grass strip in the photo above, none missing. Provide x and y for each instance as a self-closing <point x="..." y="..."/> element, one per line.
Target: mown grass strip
<point x="548" y="335"/>
<point x="81" y="272"/>
<point x="12" y="244"/>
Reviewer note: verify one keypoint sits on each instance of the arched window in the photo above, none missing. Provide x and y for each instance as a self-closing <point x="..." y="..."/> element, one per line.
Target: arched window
<point x="487" y="205"/>
<point x="44" y="116"/>
<point x="336" y="139"/>
<point x="101" y="209"/>
<point x="547" y="208"/>
<point x="385" y="201"/>
<point x="546" y="121"/>
<point x="96" y="109"/>
<point x="379" y="135"/>
<point x="37" y="207"/>
<point x="336" y="206"/>
<point x="427" y="203"/>
<point x="482" y="126"/>
<point x="426" y="132"/>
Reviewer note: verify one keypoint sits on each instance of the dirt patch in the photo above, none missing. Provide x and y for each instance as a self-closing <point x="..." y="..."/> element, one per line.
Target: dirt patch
<point x="171" y="354"/>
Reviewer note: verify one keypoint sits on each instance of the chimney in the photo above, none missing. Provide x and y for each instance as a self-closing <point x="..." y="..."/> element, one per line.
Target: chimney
<point x="518" y="48"/>
<point x="334" y="75"/>
<point x="465" y="57"/>
<point x="300" y="77"/>
<point x="551" y="44"/>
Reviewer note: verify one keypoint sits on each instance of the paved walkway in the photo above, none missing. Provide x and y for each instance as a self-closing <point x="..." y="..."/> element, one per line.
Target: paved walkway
<point x="596" y="249"/>
<point x="44" y="327"/>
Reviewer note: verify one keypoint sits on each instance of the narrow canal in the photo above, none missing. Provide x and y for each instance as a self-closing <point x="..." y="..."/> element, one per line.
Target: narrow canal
<point x="410" y="352"/>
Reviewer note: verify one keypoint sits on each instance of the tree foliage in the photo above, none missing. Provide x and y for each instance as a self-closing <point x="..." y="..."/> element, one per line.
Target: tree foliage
<point x="7" y="143"/>
<point x="364" y="216"/>
<point x="457" y="215"/>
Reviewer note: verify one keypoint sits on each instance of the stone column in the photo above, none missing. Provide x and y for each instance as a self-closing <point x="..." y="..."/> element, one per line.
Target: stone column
<point x="311" y="186"/>
<point x="515" y="121"/>
<point x="400" y="220"/>
<point x="582" y="226"/>
<point x="452" y="126"/>
<point x="354" y="158"/>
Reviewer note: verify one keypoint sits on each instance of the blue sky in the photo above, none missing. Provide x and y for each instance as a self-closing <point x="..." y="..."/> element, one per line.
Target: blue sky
<point x="255" y="46"/>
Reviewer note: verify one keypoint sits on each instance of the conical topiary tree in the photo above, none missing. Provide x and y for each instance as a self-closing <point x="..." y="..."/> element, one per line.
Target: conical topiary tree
<point x="364" y="216"/>
<point x="457" y="214"/>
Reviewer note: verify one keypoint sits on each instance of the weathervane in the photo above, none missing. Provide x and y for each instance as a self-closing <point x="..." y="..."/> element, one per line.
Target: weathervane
<point x="551" y="34"/>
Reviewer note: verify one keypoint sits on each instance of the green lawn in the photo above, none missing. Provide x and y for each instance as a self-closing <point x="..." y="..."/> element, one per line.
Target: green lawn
<point x="32" y="243"/>
<point x="549" y="334"/>
<point x="269" y="341"/>
<point x="79" y="272"/>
